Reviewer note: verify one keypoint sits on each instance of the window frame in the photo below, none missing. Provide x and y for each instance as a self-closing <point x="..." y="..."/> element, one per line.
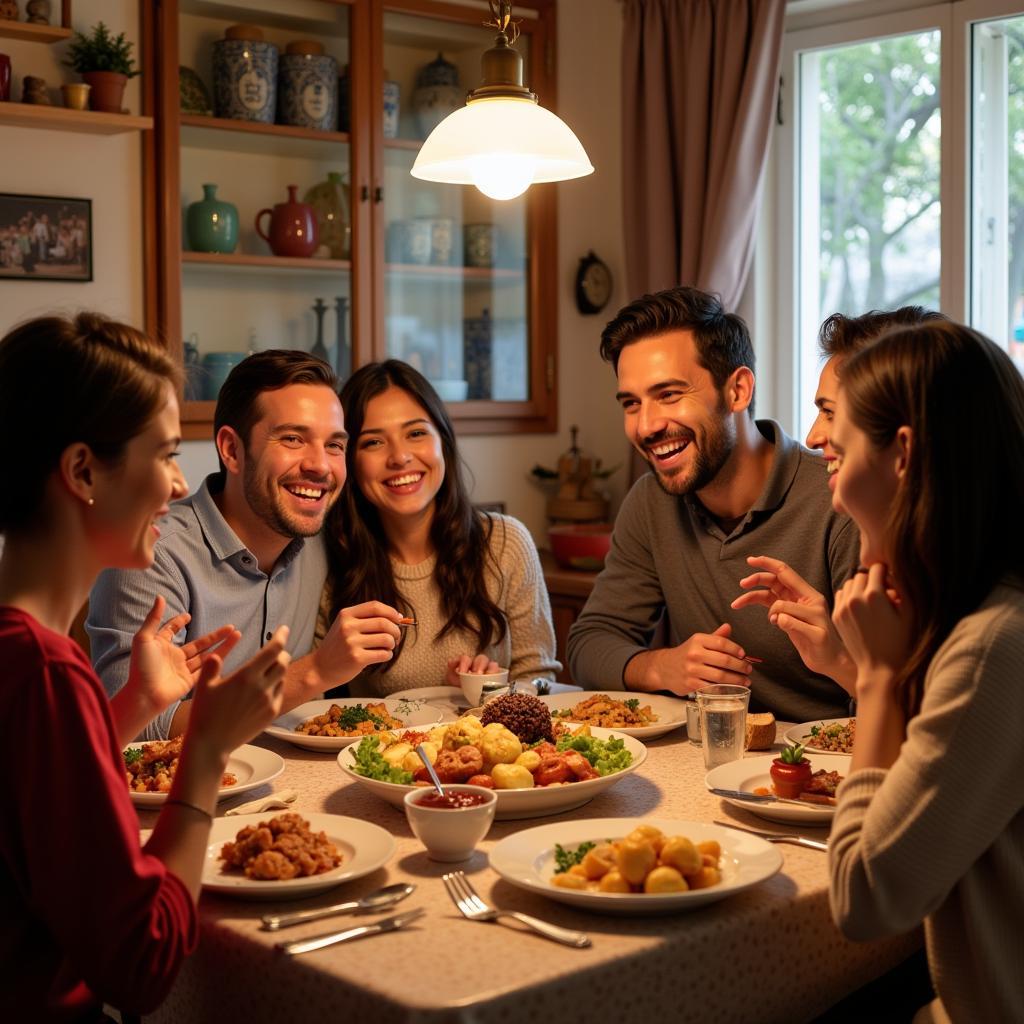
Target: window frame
<point x="796" y="362"/>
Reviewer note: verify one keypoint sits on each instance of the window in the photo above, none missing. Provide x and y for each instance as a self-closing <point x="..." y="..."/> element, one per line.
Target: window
<point x="899" y="174"/>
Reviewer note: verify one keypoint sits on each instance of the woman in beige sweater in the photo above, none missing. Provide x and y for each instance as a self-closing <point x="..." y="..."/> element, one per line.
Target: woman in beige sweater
<point x="405" y="533"/>
<point x="929" y="435"/>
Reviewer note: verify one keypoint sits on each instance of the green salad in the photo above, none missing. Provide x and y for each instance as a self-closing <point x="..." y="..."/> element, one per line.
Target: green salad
<point x="371" y="764"/>
<point x="605" y="756"/>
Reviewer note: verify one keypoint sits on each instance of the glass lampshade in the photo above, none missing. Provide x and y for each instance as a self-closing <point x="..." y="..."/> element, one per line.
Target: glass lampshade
<point x="502" y="145"/>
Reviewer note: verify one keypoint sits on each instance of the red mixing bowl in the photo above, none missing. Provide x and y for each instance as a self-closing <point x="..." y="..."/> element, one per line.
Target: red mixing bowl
<point x="581" y="545"/>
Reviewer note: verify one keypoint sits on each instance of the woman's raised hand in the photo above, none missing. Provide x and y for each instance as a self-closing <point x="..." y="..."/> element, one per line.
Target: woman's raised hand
<point x="229" y="710"/>
<point x="873" y="623"/>
<point x="801" y="613"/>
<point x="162" y="672"/>
<point x="468" y="663"/>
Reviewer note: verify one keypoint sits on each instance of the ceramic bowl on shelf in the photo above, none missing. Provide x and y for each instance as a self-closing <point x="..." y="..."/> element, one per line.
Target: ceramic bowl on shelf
<point x="581" y="545"/>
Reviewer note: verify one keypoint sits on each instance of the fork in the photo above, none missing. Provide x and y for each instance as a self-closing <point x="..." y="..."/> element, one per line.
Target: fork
<point x="465" y="897"/>
<point x="772" y="837"/>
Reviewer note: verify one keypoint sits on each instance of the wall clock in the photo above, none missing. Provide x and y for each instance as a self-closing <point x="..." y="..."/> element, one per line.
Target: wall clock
<point x="593" y="284"/>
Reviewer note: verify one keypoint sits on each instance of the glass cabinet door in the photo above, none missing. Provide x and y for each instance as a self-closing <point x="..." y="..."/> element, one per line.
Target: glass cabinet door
<point x="455" y="288"/>
<point x="264" y="138"/>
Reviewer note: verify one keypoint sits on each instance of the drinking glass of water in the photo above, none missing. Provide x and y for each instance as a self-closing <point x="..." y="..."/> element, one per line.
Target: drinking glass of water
<point x="723" y="721"/>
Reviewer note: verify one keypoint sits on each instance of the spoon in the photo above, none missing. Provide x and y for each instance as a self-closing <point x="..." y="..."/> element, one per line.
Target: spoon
<point x="373" y="901"/>
<point x="430" y="770"/>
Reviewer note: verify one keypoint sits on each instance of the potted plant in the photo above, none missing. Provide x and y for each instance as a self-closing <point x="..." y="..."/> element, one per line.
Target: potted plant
<point x="105" y="63"/>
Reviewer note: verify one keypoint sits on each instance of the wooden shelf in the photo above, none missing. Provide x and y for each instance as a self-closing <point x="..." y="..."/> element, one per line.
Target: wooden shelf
<point x="281" y="131"/>
<point x="33" y="33"/>
<point x="91" y="122"/>
<point x="413" y="144"/>
<point x="434" y="271"/>
<point x="247" y="261"/>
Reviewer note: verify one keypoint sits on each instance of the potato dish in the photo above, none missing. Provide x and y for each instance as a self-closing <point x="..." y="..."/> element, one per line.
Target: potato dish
<point x="283" y="847"/>
<point x="645" y="861"/>
<point x="355" y="720"/>
<point x="489" y="755"/>
<point x="609" y="713"/>
<point x="150" y="767"/>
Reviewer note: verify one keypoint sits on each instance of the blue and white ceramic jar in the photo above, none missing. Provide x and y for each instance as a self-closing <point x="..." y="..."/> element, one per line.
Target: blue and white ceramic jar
<point x="245" y="75"/>
<point x="392" y="104"/>
<point x="437" y="94"/>
<point x="308" y="87"/>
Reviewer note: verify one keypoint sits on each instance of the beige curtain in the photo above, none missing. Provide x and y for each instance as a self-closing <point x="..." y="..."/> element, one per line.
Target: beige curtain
<point x="699" y="87"/>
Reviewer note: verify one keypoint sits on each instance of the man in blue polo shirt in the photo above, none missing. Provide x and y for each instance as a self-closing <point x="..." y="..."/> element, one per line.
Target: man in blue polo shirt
<point x="243" y="549"/>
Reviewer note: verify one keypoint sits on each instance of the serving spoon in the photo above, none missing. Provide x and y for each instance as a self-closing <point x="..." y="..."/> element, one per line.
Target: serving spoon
<point x="372" y="901"/>
<point x="424" y="757"/>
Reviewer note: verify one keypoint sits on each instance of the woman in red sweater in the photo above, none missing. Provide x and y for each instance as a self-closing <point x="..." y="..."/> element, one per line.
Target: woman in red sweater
<point x="88" y="436"/>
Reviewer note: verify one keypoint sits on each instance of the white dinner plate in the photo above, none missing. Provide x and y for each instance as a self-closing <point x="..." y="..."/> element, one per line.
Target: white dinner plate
<point x="799" y="734"/>
<point x="671" y="711"/>
<point x="518" y="803"/>
<point x="527" y="859"/>
<point x="251" y="766"/>
<point x="363" y="847"/>
<point x="413" y="713"/>
<point x="751" y="773"/>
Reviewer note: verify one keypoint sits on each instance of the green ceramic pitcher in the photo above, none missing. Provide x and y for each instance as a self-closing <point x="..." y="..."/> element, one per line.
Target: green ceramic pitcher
<point x="212" y="224"/>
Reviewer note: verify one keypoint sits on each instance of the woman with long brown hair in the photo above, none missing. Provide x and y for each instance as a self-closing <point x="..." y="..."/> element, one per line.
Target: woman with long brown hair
<point x="88" y="437"/>
<point x="404" y="532"/>
<point x="929" y="436"/>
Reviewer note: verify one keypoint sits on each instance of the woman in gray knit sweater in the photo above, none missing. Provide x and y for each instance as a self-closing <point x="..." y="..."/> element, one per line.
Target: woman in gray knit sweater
<point x="929" y="435"/>
<point x="405" y="532"/>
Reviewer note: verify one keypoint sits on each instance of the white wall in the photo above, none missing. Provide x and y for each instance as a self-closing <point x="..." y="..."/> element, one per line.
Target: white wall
<point x="108" y="169"/>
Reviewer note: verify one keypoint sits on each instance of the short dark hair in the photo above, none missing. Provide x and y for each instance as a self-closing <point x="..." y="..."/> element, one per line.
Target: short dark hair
<point x="721" y="339"/>
<point x="276" y="368"/>
<point x="842" y="335"/>
<point x="99" y="381"/>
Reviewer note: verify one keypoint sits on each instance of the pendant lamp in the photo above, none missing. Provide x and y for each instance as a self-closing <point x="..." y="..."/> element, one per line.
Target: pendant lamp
<point x="501" y="141"/>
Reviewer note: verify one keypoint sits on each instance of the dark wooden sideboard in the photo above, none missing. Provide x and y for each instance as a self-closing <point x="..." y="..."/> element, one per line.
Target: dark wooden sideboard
<point x="568" y="590"/>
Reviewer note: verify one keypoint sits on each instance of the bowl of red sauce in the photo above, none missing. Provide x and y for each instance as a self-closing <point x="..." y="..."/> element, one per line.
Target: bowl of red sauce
<point x="451" y="826"/>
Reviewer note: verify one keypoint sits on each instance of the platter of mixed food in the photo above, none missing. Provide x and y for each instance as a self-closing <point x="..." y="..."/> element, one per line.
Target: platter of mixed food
<point x="536" y="765"/>
<point x="149" y="770"/>
<point x="829" y="736"/>
<point x="806" y="780"/>
<point x="333" y="724"/>
<point x="644" y="716"/>
<point x="256" y="856"/>
<point x="622" y="866"/>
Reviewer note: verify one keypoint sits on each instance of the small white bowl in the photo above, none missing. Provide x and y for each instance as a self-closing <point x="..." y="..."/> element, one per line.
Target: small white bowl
<point x="450" y="833"/>
<point x="473" y="684"/>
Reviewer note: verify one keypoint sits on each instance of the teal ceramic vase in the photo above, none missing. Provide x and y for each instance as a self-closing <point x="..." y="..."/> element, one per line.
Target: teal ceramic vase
<point x="212" y="224"/>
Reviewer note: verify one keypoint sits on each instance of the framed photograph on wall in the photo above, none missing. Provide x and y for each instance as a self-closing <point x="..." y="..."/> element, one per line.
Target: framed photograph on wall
<point x="45" y="238"/>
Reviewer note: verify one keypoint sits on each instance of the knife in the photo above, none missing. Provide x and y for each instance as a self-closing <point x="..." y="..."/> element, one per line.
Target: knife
<point x="389" y="924"/>
<point x="758" y="798"/>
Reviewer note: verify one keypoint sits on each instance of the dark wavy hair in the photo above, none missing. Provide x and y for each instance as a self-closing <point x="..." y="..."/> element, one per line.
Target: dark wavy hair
<point x="63" y="380"/>
<point x="721" y="339"/>
<point x="963" y="399"/>
<point x="842" y="335"/>
<point x="357" y="548"/>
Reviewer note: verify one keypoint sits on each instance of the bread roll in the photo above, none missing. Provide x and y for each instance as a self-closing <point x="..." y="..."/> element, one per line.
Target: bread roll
<point x="760" y="731"/>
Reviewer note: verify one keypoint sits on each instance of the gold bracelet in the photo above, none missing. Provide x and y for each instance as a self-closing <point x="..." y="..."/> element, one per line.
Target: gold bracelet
<point x="193" y="807"/>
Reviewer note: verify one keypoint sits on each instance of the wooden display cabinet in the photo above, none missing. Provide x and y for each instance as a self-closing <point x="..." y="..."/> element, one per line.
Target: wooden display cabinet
<point x="493" y="327"/>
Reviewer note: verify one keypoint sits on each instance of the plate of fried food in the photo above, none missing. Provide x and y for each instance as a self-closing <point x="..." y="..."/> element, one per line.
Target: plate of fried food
<point x="826" y="736"/>
<point x="333" y="724"/>
<point x="645" y="715"/>
<point x="259" y="857"/>
<point x="150" y="769"/>
<point x="511" y="748"/>
<point x="622" y="866"/>
<point x="815" y="791"/>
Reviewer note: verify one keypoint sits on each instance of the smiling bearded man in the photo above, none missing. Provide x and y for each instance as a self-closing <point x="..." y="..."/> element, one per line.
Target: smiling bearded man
<point x="243" y="549"/>
<point x="723" y="487"/>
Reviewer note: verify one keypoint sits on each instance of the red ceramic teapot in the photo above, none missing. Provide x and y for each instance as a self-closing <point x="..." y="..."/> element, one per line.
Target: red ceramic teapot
<point x="292" y="227"/>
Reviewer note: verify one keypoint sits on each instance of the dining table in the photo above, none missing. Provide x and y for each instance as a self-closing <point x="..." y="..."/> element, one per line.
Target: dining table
<point x="768" y="953"/>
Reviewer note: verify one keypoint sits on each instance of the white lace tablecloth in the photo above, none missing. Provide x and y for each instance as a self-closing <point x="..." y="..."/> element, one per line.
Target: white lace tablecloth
<point x="770" y="953"/>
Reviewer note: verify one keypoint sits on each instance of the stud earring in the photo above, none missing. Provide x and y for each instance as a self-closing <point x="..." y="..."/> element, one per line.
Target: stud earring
<point x="91" y="502"/>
